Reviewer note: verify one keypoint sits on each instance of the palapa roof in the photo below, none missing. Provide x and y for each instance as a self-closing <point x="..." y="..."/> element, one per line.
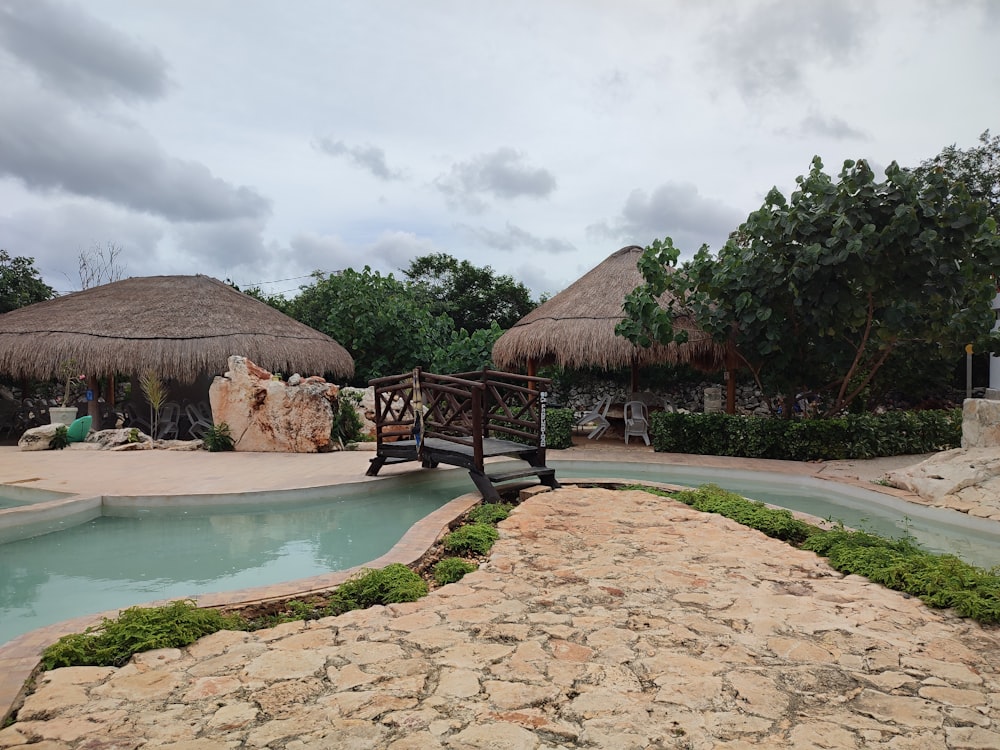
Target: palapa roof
<point x="576" y="328"/>
<point x="178" y="326"/>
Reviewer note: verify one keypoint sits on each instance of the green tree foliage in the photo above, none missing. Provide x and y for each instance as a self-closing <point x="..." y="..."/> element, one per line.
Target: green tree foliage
<point x="277" y="301"/>
<point x="379" y="319"/>
<point x="20" y="283"/>
<point x="977" y="167"/>
<point x="820" y="289"/>
<point x="467" y="351"/>
<point x="471" y="296"/>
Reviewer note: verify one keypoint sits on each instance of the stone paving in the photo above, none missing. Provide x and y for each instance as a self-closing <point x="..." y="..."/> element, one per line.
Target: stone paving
<point x="602" y="619"/>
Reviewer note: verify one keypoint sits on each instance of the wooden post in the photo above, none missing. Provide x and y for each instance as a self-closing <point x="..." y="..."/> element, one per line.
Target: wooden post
<point x="93" y="404"/>
<point x="634" y="383"/>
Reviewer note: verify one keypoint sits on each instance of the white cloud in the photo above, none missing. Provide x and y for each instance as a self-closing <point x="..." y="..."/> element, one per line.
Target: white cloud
<point x="237" y="139"/>
<point x="78" y="54"/>
<point x="367" y="157"/>
<point x="503" y="173"/>
<point x="672" y="209"/>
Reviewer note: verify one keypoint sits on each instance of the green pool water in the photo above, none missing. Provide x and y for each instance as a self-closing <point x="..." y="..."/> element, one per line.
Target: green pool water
<point x="133" y="555"/>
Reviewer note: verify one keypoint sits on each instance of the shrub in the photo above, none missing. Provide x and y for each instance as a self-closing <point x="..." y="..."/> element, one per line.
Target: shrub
<point x="60" y="439"/>
<point x="347" y="424"/>
<point x="137" y="629"/>
<point x="389" y="585"/>
<point x="489" y="513"/>
<point x="471" y="539"/>
<point x="218" y="438"/>
<point x="559" y="428"/>
<point x="851" y="436"/>
<point x="452" y="569"/>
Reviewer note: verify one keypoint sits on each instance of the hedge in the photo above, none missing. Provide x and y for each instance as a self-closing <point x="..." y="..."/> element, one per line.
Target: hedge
<point x="559" y="428"/>
<point x="851" y="436"/>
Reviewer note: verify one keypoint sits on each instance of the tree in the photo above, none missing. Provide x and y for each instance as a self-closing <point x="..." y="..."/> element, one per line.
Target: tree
<point x="277" y="301"/>
<point x="977" y="167"/>
<point x="100" y="265"/>
<point x="378" y="319"/>
<point x="471" y="296"/>
<point x="467" y="351"/>
<point x="821" y="289"/>
<point x="20" y="283"/>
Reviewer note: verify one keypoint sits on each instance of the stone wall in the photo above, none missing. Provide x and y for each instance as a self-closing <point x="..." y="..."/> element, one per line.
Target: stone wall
<point x="685" y="397"/>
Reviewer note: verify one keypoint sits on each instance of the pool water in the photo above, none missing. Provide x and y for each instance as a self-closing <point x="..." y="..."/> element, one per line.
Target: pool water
<point x="137" y="556"/>
<point x="131" y="555"/>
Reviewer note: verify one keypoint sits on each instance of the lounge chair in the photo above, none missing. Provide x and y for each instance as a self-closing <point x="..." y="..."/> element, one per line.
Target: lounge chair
<point x="597" y="416"/>
<point x="636" y="421"/>
<point x="168" y="421"/>
<point x="200" y="421"/>
<point x="134" y="419"/>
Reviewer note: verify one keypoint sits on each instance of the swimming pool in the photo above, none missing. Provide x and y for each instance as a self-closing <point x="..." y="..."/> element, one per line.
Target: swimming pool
<point x="134" y="553"/>
<point x="14" y="496"/>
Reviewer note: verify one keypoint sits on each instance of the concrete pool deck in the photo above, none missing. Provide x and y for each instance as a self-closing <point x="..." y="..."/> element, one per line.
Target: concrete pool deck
<point x="171" y="472"/>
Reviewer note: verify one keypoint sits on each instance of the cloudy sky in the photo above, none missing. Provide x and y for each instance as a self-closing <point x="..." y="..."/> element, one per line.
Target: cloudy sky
<point x="257" y="140"/>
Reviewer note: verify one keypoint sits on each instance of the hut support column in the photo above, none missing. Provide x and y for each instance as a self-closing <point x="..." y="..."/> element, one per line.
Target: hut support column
<point x="634" y="382"/>
<point x="532" y="371"/>
<point x="94" y="405"/>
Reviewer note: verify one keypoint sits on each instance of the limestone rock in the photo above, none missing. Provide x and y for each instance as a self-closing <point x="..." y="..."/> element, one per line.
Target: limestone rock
<point x="120" y="437"/>
<point x="38" y="438"/>
<point x="270" y="415"/>
<point x="980" y="423"/>
<point x="961" y="479"/>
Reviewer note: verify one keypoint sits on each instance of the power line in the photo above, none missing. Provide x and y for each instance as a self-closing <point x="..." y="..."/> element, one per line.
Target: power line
<point x="278" y="281"/>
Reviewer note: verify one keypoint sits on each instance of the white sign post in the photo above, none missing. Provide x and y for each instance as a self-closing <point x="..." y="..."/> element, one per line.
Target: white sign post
<point x="993" y="392"/>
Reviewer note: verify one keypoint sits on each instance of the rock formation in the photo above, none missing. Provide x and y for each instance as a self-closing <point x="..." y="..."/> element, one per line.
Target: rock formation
<point x="965" y="479"/>
<point x="264" y="414"/>
<point x="38" y="438"/>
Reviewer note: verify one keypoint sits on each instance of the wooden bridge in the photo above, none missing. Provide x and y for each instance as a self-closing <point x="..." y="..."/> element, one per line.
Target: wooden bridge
<point x="462" y="420"/>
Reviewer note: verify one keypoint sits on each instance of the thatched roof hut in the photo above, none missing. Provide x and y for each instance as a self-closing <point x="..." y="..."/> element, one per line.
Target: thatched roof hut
<point x="576" y="328"/>
<point x="180" y="327"/>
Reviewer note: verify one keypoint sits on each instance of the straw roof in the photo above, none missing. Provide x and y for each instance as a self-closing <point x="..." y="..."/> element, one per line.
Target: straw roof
<point x="576" y="328"/>
<point x="178" y="326"/>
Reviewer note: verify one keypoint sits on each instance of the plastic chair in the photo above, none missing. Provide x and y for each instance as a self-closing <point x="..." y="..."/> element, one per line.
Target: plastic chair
<point x="200" y="422"/>
<point x="636" y="421"/>
<point x="168" y="421"/>
<point x="597" y="416"/>
<point x="134" y="419"/>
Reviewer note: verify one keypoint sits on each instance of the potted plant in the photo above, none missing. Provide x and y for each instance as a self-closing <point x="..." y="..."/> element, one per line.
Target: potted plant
<point x="66" y="412"/>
